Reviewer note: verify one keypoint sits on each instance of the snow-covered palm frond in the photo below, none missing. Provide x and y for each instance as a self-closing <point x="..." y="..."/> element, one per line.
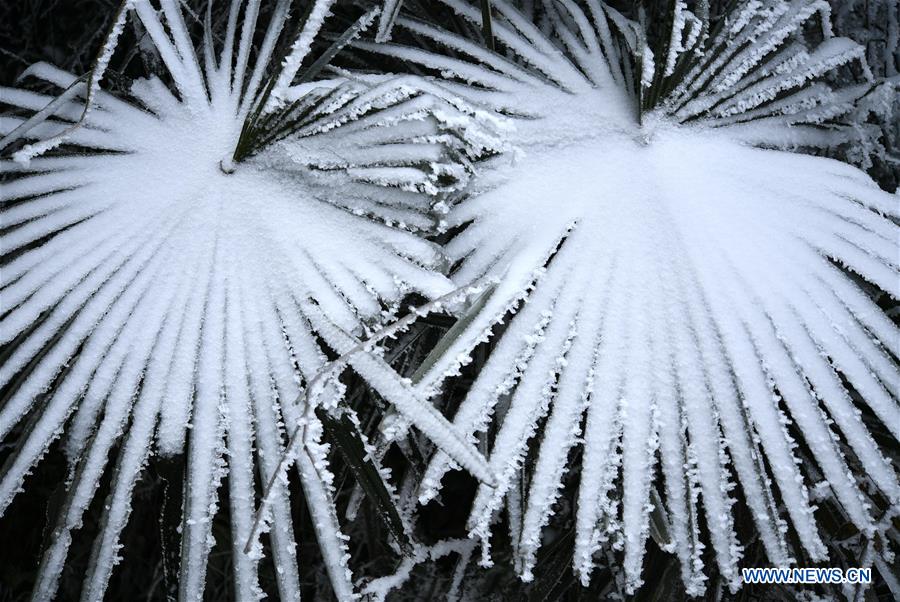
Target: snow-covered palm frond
<point x="183" y="262"/>
<point x="689" y="298"/>
<point x="389" y="12"/>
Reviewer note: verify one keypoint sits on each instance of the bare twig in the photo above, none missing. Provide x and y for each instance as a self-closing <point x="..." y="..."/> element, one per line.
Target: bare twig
<point x="94" y="76"/>
<point x="317" y="383"/>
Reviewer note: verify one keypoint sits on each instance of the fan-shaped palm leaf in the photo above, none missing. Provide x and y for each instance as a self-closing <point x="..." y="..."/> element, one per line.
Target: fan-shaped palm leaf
<point x="154" y="289"/>
<point x="690" y="291"/>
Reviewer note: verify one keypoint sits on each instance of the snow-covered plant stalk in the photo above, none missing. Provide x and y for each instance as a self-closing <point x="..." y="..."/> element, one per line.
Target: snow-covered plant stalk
<point x="688" y="280"/>
<point x="431" y="422"/>
<point x="92" y="87"/>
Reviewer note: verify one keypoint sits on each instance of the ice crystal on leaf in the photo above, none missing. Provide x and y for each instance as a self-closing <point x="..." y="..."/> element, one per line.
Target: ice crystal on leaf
<point x="162" y="290"/>
<point x="689" y="297"/>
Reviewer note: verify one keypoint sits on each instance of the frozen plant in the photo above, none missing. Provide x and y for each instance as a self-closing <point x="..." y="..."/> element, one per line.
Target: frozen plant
<point x="681" y="283"/>
<point x="177" y="263"/>
<point x="636" y="198"/>
<point x="875" y="24"/>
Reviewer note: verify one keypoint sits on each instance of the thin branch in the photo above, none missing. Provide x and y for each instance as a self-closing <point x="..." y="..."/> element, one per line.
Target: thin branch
<point x="318" y="382"/>
<point x="94" y="76"/>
